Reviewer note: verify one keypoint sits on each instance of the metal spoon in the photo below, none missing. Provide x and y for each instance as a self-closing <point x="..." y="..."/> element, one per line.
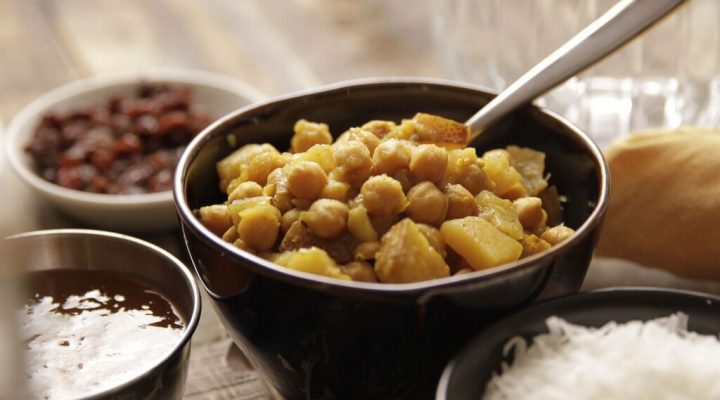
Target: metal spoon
<point x="623" y="22"/>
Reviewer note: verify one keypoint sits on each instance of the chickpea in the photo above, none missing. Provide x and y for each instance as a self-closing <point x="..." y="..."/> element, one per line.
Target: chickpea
<point x="368" y="138"/>
<point x="379" y="128"/>
<point x="461" y="202"/>
<point x="466" y="169"/>
<point x="405" y="178"/>
<point x="289" y="218"/>
<point x="262" y="165"/>
<point x="306" y="179"/>
<point x="336" y="190"/>
<point x="433" y="237"/>
<point x="245" y="190"/>
<point x="216" y="218"/>
<point x="326" y="218"/>
<point x="427" y="204"/>
<point x="390" y="156"/>
<point x="353" y="159"/>
<point x="259" y="226"/>
<point x="530" y="213"/>
<point x="429" y="163"/>
<point x="360" y="271"/>
<point x="307" y="134"/>
<point x="322" y="154"/>
<point x="382" y="195"/>
<point x="360" y="226"/>
<point x="556" y="234"/>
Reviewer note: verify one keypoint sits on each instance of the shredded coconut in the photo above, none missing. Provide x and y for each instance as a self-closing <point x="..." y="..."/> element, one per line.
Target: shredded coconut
<point x="658" y="359"/>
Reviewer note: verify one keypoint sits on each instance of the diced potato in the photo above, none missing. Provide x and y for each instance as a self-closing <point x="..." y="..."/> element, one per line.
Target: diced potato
<point x="531" y="166"/>
<point x="499" y="212"/>
<point x="216" y="218"/>
<point x="479" y="242"/>
<point x="557" y="234"/>
<point x="405" y="256"/>
<point x="432" y="234"/>
<point x="360" y="271"/>
<point x="405" y="130"/>
<point x="237" y="206"/>
<point x="440" y="131"/>
<point x="360" y="226"/>
<point x="313" y="260"/>
<point x="229" y="167"/>
<point x="507" y="179"/>
<point x="532" y="245"/>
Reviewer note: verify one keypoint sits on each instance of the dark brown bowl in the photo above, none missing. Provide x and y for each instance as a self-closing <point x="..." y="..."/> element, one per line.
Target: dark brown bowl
<point x="312" y="336"/>
<point x="467" y="374"/>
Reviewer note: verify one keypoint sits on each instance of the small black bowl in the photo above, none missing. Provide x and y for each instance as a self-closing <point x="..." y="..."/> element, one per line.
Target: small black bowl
<point x="467" y="374"/>
<point x="312" y="336"/>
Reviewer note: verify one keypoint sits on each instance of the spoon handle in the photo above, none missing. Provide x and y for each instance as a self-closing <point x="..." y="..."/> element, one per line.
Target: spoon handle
<point x="620" y="24"/>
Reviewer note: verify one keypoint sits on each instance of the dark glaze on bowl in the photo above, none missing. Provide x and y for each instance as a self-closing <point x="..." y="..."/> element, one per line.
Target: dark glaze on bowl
<point x="90" y="250"/>
<point x="466" y="375"/>
<point x="315" y="337"/>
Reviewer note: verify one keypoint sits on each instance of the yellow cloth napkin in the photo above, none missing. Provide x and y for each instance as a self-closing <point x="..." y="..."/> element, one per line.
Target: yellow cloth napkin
<point x="664" y="208"/>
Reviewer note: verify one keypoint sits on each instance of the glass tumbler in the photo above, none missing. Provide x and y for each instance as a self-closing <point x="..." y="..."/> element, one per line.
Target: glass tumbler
<point x="667" y="77"/>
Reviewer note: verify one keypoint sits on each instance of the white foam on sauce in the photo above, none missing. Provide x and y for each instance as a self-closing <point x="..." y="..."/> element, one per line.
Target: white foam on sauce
<point x="72" y="355"/>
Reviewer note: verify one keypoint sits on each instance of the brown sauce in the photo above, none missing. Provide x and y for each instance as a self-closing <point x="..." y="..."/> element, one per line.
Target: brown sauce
<point x="81" y="327"/>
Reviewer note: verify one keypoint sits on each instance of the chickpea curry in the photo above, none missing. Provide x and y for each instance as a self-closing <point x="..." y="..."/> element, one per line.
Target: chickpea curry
<point x="384" y="202"/>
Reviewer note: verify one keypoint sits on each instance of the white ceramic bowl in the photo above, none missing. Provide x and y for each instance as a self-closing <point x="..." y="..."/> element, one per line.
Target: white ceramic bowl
<point x="216" y="94"/>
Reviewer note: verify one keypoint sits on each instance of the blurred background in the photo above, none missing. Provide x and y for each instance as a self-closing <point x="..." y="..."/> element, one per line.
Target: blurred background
<point x="668" y="78"/>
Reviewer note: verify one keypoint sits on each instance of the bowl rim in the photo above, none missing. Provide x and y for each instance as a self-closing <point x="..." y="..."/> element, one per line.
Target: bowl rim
<point x="429" y="288"/>
<point x="596" y="296"/>
<point x="60" y="94"/>
<point x="191" y="324"/>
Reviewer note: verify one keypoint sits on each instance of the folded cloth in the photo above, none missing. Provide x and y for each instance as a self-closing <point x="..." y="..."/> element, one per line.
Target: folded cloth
<point x="664" y="208"/>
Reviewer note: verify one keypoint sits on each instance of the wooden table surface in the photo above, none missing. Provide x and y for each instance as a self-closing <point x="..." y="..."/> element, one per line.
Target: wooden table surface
<point x="276" y="45"/>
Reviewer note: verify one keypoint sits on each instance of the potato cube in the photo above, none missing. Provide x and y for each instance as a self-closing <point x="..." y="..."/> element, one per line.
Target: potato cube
<point x="499" y="212"/>
<point x="440" y="131"/>
<point x="480" y="243"/>
<point x="507" y="179"/>
<point x="230" y="167"/>
<point x="405" y="255"/>
<point x="313" y="260"/>
<point x="360" y="226"/>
